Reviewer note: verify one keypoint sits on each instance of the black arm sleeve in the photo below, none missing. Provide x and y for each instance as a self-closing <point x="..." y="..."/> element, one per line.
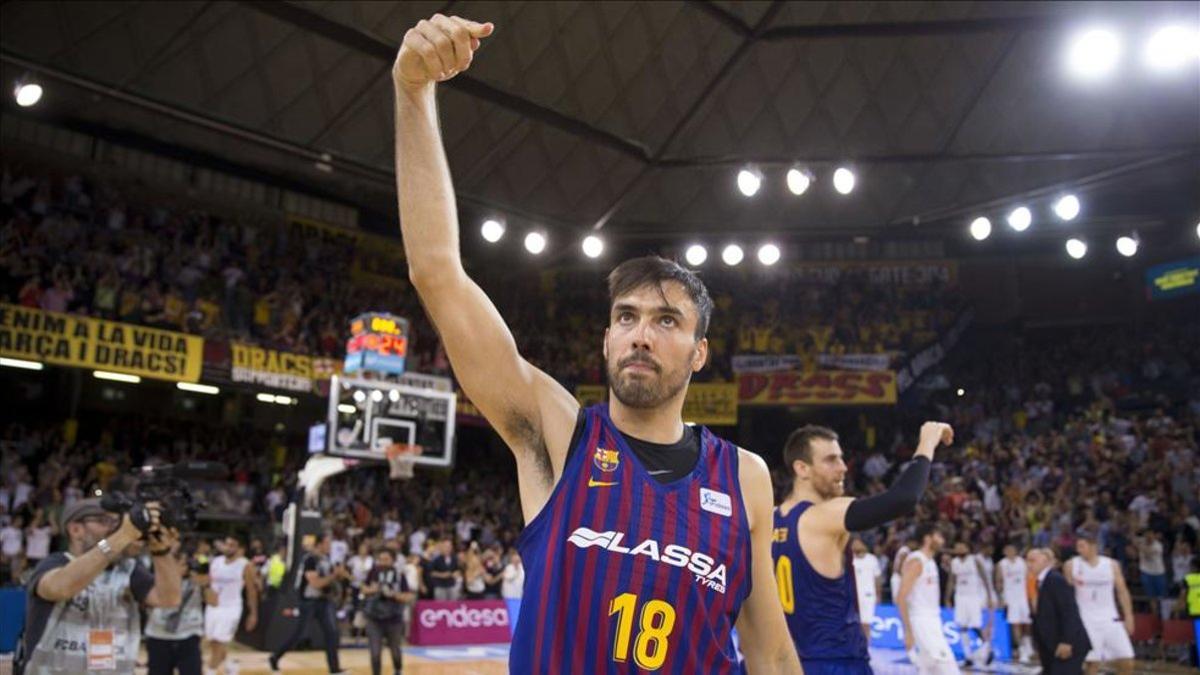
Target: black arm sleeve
<point x="899" y="500"/>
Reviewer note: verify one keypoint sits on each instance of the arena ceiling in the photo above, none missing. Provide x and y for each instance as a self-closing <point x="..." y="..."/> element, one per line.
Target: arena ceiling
<point x="633" y="117"/>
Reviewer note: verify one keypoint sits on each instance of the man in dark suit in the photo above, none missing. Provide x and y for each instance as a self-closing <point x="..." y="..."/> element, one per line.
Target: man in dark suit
<point x="1058" y="632"/>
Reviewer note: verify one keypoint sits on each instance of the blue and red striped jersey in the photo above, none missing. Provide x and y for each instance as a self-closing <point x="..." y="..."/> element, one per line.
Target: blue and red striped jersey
<point x="626" y="574"/>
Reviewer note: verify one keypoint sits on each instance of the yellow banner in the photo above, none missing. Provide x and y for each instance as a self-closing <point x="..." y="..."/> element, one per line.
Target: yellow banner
<point x="823" y="387"/>
<point x="271" y="368"/>
<point x="708" y="403"/>
<point x="69" y="340"/>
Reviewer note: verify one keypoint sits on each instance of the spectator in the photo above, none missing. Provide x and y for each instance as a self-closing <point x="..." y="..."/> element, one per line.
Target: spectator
<point x="444" y="572"/>
<point x="514" y="577"/>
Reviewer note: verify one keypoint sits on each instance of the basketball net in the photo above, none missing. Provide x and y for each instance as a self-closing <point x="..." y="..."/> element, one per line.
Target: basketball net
<point x="402" y="457"/>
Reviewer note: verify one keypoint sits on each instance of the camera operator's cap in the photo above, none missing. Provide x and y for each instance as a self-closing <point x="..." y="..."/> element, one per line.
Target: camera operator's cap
<point x="82" y="509"/>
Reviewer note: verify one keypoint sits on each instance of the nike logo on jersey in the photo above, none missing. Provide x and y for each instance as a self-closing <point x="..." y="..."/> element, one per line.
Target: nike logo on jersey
<point x="697" y="563"/>
<point x="592" y="482"/>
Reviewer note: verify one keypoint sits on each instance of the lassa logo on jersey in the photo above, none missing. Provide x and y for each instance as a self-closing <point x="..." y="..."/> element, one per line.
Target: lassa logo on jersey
<point x="672" y="554"/>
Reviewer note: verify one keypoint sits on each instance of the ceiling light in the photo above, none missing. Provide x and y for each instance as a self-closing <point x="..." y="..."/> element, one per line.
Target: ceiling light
<point x="981" y="228"/>
<point x="1171" y="48"/>
<point x="1067" y="207"/>
<point x="732" y="254"/>
<point x="1020" y="219"/>
<point x="346" y="409"/>
<point x="116" y="377"/>
<point x="27" y="91"/>
<point x="21" y="363"/>
<point x="696" y="255"/>
<point x="1076" y="248"/>
<point x="798" y="181"/>
<point x="844" y="180"/>
<point x="535" y="242"/>
<point x="749" y="181"/>
<point x="1093" y="54"/>
<point x="492" y="230"/>
<point x="593" y="246"/>
<point x="768" y="254"/>
<point x="1127" y="245"/>
<point x="197" y="388"/>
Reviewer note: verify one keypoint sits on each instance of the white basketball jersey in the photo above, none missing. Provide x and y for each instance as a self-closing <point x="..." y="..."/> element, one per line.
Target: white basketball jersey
<point x="227" y="581"/>
<point x="1013" y="572"/>
<point x="967" y="582"/>
<point x="925" y="595"/>
<point x="866" y="569"/>
<point x="1095" y="589"/>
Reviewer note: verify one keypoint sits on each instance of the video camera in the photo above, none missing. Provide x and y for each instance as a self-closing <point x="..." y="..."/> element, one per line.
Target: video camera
<point x="165" y="484"/>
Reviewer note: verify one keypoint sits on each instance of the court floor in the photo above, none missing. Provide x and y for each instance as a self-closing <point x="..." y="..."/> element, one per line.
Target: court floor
<point x="492" y="659"/>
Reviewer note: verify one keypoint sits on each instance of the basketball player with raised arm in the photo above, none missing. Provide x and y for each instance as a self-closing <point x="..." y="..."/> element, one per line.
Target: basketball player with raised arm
<point x="812" y="532"/>
<point x="1098" y="583"/>
<point x="646" y="540"/>
<point x="920" y="606"/>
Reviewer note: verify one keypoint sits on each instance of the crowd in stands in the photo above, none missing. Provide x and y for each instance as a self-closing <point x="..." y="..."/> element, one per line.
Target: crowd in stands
<point x="69" y="243"/>
<point x="1061" y="431"/>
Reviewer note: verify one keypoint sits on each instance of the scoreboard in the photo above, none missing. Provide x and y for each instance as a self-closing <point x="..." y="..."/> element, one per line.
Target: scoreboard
<point x="378" y="342"/>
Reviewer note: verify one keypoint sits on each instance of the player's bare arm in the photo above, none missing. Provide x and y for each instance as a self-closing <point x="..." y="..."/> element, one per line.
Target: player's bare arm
<point x="533" y="414"/>
<point x="908" y="579"/>
<point x="826" y="527"/>
<point x="1066" y="571"/>
<point x="764" y="635"/>
<point x="1123" y="597"/>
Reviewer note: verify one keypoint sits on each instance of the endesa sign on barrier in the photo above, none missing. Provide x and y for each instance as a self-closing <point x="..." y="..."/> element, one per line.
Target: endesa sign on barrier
<point x="887" y="632"/>
<point x="467" y="622"/>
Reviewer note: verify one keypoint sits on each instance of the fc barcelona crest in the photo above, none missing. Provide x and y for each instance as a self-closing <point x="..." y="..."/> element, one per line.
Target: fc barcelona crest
<point x="606" y="460"/>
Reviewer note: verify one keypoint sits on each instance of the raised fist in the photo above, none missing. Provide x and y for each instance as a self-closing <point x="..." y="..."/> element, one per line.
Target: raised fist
<point x="933" y="433"/>
<point x="437" y="49"/>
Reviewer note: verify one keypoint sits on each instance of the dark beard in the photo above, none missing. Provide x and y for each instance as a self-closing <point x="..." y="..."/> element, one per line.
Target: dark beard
<point x="643" y="395"/>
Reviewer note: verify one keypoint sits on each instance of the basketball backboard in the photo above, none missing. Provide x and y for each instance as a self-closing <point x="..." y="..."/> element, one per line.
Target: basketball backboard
<point x="367" y="415"/>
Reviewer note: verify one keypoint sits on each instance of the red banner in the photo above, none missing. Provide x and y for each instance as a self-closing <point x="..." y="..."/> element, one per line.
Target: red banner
<point x="467" y="622"/>
<point x="817" y="388"/>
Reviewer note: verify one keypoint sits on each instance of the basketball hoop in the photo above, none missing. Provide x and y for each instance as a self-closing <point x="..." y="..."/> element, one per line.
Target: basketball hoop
<point x="402" y="457"/>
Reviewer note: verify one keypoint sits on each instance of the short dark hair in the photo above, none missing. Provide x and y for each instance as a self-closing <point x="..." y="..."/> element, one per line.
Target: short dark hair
<point x="799" y="443"/>
<point x="654" y="271"/>
<point x="924" y="530"/>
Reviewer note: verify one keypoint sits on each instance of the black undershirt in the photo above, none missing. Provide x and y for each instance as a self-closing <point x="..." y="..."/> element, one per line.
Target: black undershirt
<point x="664" y="462"/>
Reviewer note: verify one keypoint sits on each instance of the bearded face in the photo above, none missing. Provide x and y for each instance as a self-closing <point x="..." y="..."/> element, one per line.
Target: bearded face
<point x="650" y="346"/>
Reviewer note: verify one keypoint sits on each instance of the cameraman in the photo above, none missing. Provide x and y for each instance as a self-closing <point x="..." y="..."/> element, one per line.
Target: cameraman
<point x="83" y="609"/>
<point x="173" y="635"/>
